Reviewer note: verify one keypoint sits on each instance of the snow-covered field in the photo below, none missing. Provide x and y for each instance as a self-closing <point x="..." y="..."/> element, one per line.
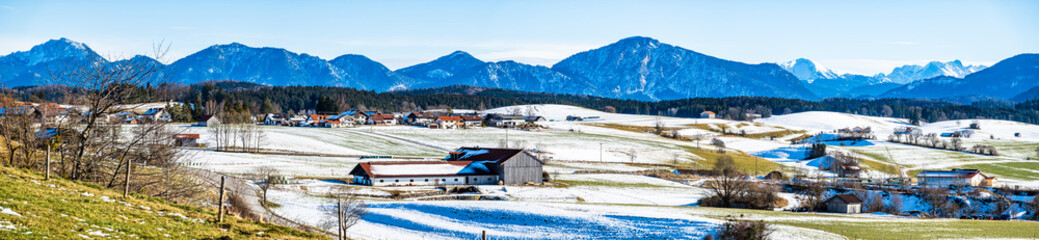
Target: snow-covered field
<point x="592" y="206"/>
<point x="340" y="141"/>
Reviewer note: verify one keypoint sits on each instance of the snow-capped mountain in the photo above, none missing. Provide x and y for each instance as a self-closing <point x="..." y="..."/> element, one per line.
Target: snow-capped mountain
<point x="372" y="74"/>
<point x="909" y="73"/>
<point x="632" y="68"/>
<point x="462" y="68"/>
<point x="806" y="70"/>
<point x="643" y="68"/>
<point x="826" y="83"/>
<point x="33" y="67"/>
<point x="1006" y="79"/>
<point x="267" y="66"/>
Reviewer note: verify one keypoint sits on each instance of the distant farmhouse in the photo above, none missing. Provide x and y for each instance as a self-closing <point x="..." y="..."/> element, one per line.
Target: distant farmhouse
<point x="844" y="203"/>
<point x="465" y="166"/>
<point x="707" y="114"/>
<point x="955" y="177"/>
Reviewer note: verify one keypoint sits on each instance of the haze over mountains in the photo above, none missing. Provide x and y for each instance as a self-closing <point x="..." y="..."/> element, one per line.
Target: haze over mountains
<point x="638" y="68"/>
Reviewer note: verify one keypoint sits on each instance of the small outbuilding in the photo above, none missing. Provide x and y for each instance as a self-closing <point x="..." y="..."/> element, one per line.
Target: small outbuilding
<point x="844" y="203"/>
<point x="186" y="140"/>
<point x="707" y="114"/>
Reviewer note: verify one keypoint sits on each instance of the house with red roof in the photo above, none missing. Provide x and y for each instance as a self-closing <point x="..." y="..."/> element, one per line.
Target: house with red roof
<point x="707" y="114"/>
<point x="447" y="122"/>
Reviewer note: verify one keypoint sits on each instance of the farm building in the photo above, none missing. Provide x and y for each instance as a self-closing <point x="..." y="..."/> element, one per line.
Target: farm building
<point x="465" y="166"/>
<point x="504" y="120"/>
<point x="707" y="114"/>
<point x="156" y="115"/>
<point x="844" y="203"/>
<point x="955" y="177"/>
<point x="186" y="140"/>
<point x="208" y="120"/>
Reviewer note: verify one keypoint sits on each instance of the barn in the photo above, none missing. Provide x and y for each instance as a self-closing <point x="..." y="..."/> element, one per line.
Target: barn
<point x="955" y="177"/>
<point x="844" y="203"/>
<point x="465" y="166"/>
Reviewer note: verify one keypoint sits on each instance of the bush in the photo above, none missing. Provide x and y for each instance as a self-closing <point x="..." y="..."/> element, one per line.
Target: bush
<point x="738" y="229"/>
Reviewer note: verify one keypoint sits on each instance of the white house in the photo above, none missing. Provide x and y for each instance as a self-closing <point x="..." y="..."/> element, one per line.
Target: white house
<point x="707" y="114"/>
<point x="274" y="119"/>
<point x="955" y="177"/>
<point x="156" y="115"/>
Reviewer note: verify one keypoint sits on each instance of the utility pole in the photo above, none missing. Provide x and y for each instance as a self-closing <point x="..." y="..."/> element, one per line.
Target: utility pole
<point x="220" y="201"/>
<point x="126" y="187"/>
<point x="506" y="137"/>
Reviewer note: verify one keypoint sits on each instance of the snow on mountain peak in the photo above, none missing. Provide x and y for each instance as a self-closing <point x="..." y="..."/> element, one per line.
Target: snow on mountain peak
<point x="806" y="70"/>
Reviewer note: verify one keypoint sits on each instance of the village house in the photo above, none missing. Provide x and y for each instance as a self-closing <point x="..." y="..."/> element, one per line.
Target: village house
<point x="276" y="119"/>
<point x="844" y="203"/>
<point x="382" y="119"/>
<point x="465" y="166"/>
<point x="208" y="120"/>
<point x="447" y="122"/>
<point x="471" y="121"/>
<point x="534" y="119"/>
<point x="504" y="120"/>
<point x="707" y="114"/>
<point x="315" y="120"/>
<point x="155" y="115"/>
<point x="955" y="177"/>
<point x="421" y="118"/>
<point x="186" y="140"/>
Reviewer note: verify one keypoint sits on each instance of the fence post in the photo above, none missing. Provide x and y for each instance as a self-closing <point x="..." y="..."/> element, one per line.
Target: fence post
<point x="220" y="201"/>
<point x="48" y="177"/>
<point x="484" y="235"/>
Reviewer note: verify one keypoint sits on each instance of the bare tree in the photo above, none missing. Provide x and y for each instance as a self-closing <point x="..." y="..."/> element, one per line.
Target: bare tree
<point x="728" y="187"/>
<point x="266" y="180"/>
<point x="346" y="212"/>
<point x="104" y="86"/>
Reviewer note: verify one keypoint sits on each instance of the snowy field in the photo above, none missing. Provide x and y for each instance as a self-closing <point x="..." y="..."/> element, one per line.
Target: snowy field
<point x="582" y="144"/>
<point x="591" y="206"/>
<point x="339" y="141"/>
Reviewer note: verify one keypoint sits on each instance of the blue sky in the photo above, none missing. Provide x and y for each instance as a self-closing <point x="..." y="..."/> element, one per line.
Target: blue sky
<point x="847" y="36"/>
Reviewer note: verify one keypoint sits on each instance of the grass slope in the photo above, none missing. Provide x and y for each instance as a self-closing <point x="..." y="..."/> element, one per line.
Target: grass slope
<point x="61" y="209"/>
<point x="874" y="228"/>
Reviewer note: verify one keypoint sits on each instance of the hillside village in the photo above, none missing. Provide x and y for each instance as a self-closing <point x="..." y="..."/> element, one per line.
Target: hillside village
<point x="556" y="154"/>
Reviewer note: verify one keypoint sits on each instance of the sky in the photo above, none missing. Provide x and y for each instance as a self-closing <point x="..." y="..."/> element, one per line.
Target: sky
<point x="865" y="37"/>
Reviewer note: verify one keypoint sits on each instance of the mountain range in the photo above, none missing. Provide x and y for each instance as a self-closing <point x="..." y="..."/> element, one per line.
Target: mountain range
<point x="827" y="83"/>
<point x="638" y="68"/>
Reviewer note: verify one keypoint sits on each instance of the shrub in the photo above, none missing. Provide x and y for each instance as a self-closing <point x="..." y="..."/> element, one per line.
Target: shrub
<point x="738" y="229"/>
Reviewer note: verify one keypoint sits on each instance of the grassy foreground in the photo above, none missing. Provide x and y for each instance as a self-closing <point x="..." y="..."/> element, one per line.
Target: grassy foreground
<point x="32" y="208"/>
<point x="855" y="227"/>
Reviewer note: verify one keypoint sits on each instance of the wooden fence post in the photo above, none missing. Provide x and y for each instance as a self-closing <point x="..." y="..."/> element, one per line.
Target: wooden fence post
<point x="48" y="176"/>
<point x="484" y="235"/>
<point x="220" y="201"/>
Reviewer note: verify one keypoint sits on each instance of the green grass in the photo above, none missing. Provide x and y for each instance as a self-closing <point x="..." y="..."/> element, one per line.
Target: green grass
<point x="871" y="228"/>
<point x="744" y="162"/>
<point x="1009" y="148"/>
<point x="1027" y="171"/>
<point x="61" y="209"/>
